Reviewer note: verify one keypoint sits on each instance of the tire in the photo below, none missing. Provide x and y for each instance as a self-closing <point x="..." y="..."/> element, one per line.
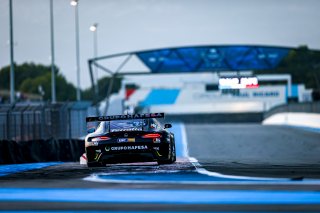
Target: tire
<point x="94" y="164"/>
<point x="172" y="158"/>
<point x="174" y="153"/>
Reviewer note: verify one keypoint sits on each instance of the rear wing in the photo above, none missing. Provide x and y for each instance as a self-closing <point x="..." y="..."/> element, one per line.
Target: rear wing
<point x="124" y="117"/>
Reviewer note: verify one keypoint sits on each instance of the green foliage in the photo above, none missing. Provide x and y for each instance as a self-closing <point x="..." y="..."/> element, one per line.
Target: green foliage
<point x="22" y="72"/>
<point x="29" y="76"/>
<point x="103" y="83"/>
<point x="303" y="65"/>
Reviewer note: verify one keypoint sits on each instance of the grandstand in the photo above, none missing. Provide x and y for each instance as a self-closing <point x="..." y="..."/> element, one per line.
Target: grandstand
<point x="188" y="80"/>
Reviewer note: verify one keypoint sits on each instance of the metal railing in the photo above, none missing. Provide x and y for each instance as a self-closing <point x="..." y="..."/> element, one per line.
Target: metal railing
<point x="310" y="107"/>
<point x="25" y="122"/>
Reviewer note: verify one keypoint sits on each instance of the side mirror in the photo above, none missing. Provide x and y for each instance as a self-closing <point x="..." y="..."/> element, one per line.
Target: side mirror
<point x="167" y="126"/>
<point x="91" y="130"/>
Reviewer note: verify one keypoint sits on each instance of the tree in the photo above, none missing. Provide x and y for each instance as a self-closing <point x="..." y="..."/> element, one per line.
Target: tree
<point x="103" y="89"/>
<point x="303" y="65"/>
<point x="29" y="76"/>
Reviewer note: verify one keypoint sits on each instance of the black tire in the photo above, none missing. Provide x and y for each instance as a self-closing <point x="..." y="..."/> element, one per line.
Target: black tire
<point x="172" y="158"/>
<point x="174" y="153"/>
<point x="94" y="164"/>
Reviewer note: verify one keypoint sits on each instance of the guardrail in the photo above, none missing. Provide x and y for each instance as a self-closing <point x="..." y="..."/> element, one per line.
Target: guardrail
<point x="39" y="121"/>
<point x="311" y="107"/>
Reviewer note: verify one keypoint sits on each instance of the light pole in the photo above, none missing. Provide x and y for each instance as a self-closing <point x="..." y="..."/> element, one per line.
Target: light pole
<point x="94" y="28"/>
<point x="75" y="4"/>
<point x="12" y="92"/>
<point x="53" y="77"/>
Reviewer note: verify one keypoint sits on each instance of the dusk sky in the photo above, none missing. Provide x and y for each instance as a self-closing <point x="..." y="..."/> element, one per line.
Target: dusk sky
<point x="129" y="25"/>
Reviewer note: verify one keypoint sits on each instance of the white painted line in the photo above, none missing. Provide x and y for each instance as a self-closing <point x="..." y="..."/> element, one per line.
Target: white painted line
<point x="83" y="159"/>
<point x="185" y="150"/>
<point x="202" y="170"/>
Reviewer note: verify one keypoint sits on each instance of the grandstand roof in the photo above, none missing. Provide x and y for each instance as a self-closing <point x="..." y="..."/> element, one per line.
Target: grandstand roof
<point x="209" y="58"/>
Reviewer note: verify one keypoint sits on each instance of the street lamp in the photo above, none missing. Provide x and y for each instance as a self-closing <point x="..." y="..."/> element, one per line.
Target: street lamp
<point x="94" y="28"/>
<point x="12" y="92"/>
<point x="53" y="78"/>
<point x="75" y="4"/>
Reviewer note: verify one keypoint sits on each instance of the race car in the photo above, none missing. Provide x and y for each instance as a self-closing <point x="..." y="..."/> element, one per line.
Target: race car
<point x="129" y="138"/>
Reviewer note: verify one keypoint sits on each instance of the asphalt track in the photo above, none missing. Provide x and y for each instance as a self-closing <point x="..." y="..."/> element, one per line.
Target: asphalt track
<point x="221" y="168"/>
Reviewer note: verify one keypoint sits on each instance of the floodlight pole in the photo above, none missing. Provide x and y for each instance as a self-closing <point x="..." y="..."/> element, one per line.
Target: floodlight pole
<point x="94" y="30"/>
<point x="95" y="97"/>
<point x="78" y="52"/>
<point x="75" y="3"/>
<point x="12" y="92"/>
<point x="53" y="77"/>
<point x="92" y="79"/>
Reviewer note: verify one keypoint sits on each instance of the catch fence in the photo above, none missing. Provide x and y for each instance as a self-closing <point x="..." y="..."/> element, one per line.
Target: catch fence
<point x="36" y="121"/>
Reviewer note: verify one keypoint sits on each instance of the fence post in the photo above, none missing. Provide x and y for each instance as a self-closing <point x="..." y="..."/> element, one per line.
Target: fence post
<point x="4" y="131"/>
<point x="23" y="123"/>
<point x="69" y="123"/>
<point x="8" y="125"/>
<point x="34" y="124"/>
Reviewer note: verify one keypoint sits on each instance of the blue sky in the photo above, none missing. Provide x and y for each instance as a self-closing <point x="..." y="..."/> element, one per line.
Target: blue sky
<point x="128" y="25"/>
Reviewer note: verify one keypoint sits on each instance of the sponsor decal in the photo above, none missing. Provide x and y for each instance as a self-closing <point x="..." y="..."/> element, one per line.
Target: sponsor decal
<point x="266" y="94"/>
<point x="97" y="156"/>
<point x="124" y="140"/>
<point x="156" y="148"/>
<point x="98" y="150"/>
<point x="107" y="148"/>
<point x="125" y="117"/>
<point x="238" y="82"/>
<point x="121" y="148"/>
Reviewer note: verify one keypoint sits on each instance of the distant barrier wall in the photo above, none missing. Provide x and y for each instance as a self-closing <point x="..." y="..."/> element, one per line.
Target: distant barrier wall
<point x="12" y="152"/>
<point x="215" y="118"/>
<point x="309" y="107"/>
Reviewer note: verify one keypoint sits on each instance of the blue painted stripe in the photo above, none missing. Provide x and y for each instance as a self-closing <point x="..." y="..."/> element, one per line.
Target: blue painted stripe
<point x="160" y="196"/>
<point x="176" y="129"/>
<point x="161" y="96"/>
<point x="83" y="211"/>
<point x="15" y="168"/>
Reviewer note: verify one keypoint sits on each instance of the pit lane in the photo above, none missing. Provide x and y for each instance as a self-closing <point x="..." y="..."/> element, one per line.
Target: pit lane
<point x="228" y="150"/>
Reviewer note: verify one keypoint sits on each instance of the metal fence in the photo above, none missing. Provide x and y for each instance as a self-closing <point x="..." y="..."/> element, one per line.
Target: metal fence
<point x="24" y="122"/>
<point x="310" y="107"/>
